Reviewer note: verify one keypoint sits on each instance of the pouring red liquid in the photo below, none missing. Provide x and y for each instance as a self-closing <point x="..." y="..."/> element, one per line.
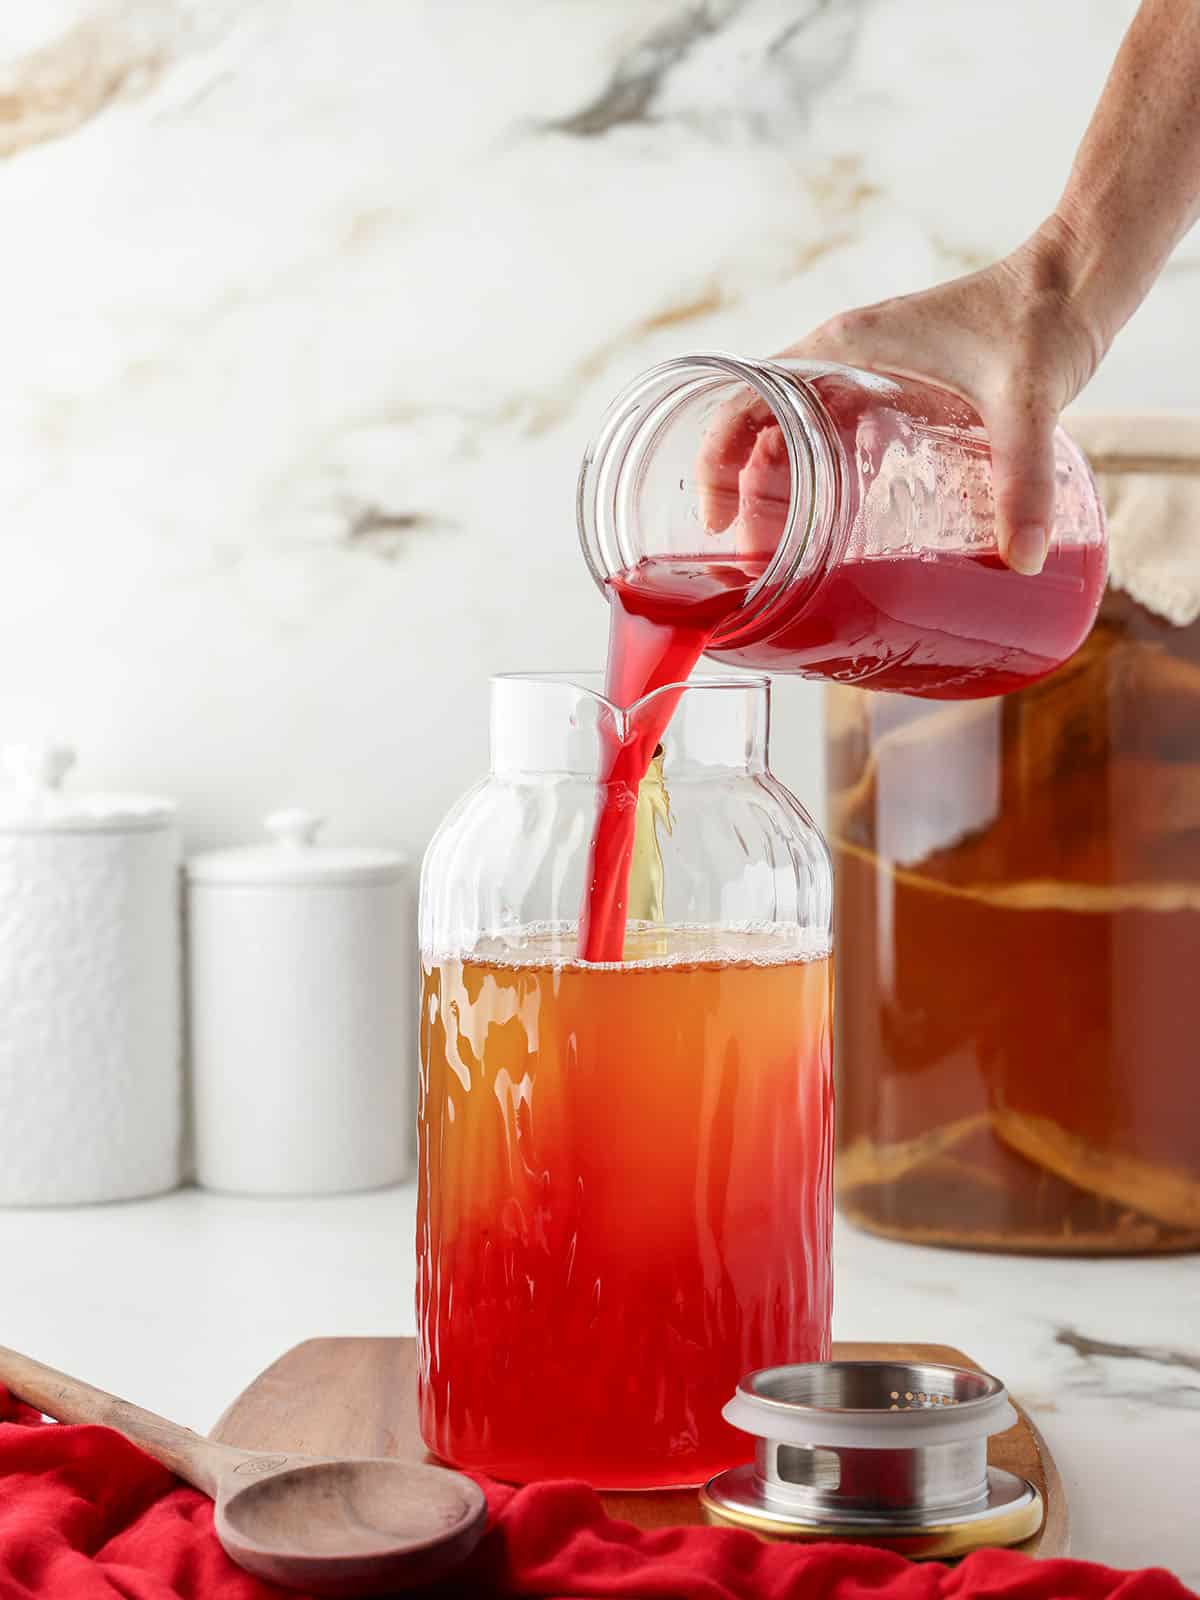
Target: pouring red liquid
<point x="657" y="633"/>
<point x="839" y="525"/>
<point x="947" y="626"/>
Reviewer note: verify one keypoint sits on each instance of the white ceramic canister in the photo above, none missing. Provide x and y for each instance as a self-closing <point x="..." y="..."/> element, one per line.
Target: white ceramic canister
<point x="90" y="969"/>
<point x="301" y="962"/>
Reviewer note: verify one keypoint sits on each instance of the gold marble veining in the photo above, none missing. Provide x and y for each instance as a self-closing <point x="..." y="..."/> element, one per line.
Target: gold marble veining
<point x="54" y="90"/>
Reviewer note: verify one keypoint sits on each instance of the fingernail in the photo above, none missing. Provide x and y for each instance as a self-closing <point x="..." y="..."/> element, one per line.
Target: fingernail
<point x="1027" y="550"/>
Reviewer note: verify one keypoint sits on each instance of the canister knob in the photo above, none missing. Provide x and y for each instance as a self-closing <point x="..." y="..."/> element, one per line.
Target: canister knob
<point x="294" y="829"/>
<point x="38" y="768"/>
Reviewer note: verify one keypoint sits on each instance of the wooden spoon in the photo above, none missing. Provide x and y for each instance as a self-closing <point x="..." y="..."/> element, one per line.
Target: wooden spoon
<point x="354" y="1527"/>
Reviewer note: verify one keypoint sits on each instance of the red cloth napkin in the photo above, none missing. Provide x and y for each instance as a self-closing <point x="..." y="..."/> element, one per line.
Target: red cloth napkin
<point x="86" y="1516"/>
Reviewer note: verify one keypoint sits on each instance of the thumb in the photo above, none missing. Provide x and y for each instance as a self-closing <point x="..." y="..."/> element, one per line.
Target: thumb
<point x="1022" y="440"/>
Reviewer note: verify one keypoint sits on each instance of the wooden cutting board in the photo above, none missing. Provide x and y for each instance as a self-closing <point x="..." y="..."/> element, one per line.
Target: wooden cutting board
<point x="358" y="1397"/>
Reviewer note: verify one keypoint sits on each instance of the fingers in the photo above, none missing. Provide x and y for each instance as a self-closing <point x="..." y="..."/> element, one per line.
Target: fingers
<point x="725" y="449"/>
<point x="741" y="466"/>
<point x="765" y="494"/>
<point x="986" y="338"/>
<point x="1021" y="432"/>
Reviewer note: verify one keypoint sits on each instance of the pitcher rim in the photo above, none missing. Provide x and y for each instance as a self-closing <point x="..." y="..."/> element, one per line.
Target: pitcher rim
<point x="745" y="681"/>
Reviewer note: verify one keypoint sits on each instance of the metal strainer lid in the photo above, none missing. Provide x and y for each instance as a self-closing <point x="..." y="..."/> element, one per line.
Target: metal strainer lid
<point x="870" y="1404"/>
<point x="880" y="1452"/>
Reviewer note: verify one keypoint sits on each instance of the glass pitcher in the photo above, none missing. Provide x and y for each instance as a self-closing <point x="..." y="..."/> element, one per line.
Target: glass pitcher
<point x="625" y="1168"/>
<point x="810" y="518"/>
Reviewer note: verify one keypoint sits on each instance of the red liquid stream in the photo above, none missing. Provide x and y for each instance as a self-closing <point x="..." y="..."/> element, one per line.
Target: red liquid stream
<point x="656" y="636"/>
<point x="944" y="626"/>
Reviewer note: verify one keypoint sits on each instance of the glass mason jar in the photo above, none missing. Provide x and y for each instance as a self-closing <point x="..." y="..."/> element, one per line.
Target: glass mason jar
<point x="1018" y="881"/>
<point x="833" y="523"/>
<point x="625" y="1183"/>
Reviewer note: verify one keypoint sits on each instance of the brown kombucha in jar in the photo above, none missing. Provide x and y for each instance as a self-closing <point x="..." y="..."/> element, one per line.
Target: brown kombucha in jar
<point x="1018" y="916"/>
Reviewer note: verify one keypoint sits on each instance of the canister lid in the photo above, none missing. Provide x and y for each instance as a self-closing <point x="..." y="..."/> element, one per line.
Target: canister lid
<point x="36" y="802"/>
<point x="294" y="858"/>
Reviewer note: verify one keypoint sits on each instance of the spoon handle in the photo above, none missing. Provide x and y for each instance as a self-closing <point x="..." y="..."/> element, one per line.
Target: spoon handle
<point x="197" y="1460"/>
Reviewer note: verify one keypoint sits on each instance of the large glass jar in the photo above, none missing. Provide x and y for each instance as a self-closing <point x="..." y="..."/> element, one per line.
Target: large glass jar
<point x="1018" y="888"/>
<point x="801" y="517"/>
<point x="625" y="1169"/>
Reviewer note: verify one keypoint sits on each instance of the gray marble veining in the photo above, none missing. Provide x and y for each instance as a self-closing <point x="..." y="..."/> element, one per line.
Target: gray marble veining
<point x="309" y="311"/>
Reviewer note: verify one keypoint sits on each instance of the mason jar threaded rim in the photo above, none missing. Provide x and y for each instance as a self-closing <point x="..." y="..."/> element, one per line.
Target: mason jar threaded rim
<point x="638" y="415"/>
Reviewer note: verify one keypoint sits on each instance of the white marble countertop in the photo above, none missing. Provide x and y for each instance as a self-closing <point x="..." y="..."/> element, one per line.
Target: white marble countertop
<point x="178" y="1302"/>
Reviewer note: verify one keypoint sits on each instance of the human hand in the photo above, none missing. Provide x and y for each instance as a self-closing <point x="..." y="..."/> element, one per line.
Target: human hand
<point x="1011" y="340"/>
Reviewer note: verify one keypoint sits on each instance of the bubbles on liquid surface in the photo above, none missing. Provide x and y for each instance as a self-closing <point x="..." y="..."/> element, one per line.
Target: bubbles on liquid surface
<point x="649" y="947"/>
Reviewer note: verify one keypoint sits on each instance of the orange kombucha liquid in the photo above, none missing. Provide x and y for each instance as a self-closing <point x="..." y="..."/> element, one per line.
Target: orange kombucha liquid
<point x="1018" y="899"/>
<point x="625" y="1198"/>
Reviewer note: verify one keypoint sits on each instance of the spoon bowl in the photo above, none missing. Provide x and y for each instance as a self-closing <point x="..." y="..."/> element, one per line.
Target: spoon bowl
<point x="348" y="1527"/>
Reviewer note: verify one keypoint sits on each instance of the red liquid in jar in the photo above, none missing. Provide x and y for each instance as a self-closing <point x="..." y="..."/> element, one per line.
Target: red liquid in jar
<point x="946" y="626"/>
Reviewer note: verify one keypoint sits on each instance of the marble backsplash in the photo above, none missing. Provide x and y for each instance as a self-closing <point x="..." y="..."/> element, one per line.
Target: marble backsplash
<point x="309" y="308"/>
